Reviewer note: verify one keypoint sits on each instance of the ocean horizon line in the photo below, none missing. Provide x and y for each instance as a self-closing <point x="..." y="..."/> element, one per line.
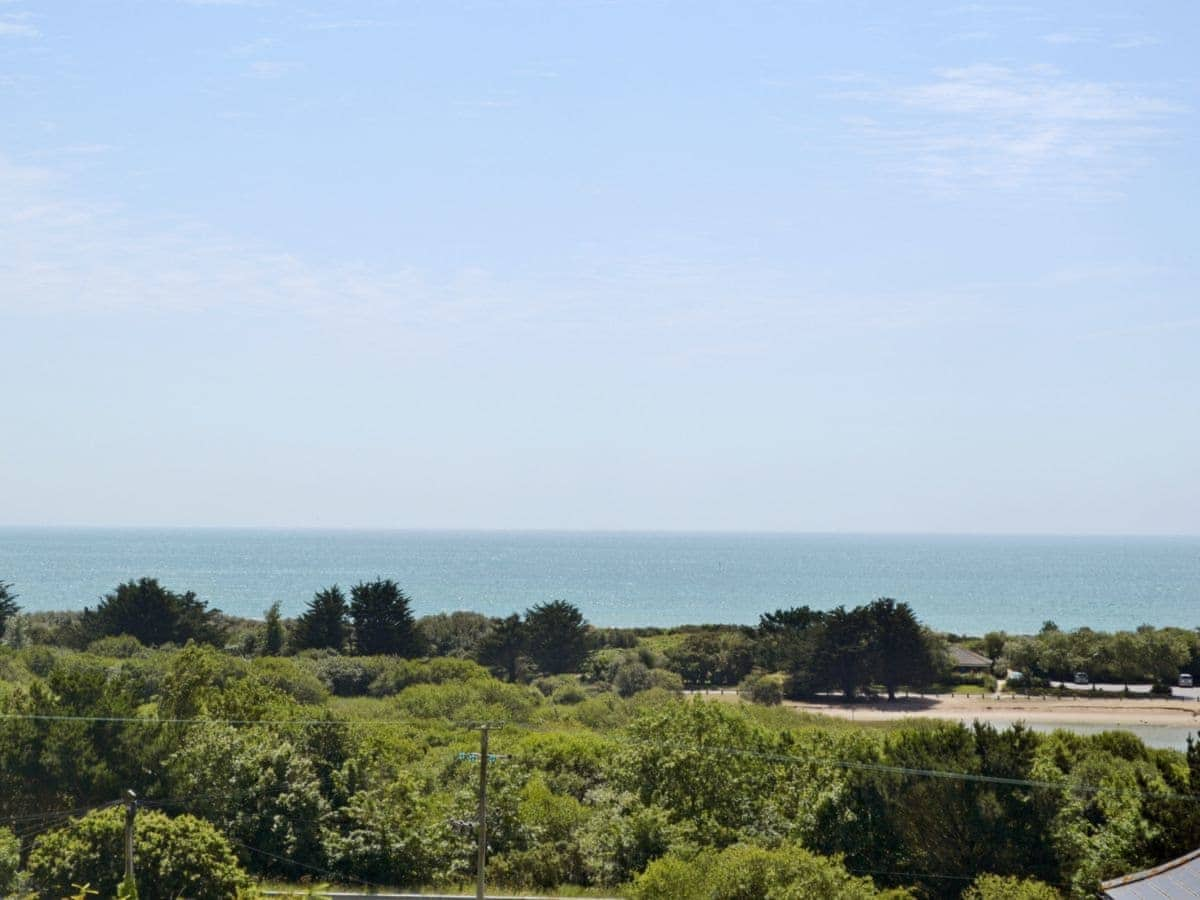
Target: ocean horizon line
<point x="638" y="532"/>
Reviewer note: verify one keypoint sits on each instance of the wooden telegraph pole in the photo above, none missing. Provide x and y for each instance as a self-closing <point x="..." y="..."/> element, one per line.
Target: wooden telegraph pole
<point x="130" y="812"/>
<point x="483" y="764"/>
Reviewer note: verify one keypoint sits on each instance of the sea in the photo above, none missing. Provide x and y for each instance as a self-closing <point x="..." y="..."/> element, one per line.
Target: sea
<point x="963" y="585"/>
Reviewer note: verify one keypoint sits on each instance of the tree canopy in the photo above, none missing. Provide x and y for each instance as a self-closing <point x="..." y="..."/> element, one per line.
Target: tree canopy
<point x="8" y="605"/>
<point x="383" y="619"/>
<point x="324" y="623"/>
<point x="154" y="615"/>
<point x="557" y="636"/>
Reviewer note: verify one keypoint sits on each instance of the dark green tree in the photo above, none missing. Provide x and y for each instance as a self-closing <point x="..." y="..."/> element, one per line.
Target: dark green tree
<point x="153" y="615"/>
<point x="784" y="636"/>
<point x="557" y="637"/>
<point x="901" y="654"/>
<point x="845" y="652"/>
<point x="272" y="631"/>
<point x="324" y="623"/>
<point x="383" y="620"/>
<point x="8" y="605"/>
<point x="505" y="646"/>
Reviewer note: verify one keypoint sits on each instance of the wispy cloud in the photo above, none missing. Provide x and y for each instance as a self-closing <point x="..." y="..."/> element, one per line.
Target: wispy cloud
<point x="1070" y="37"/>
<point x="271" y="68"/>
<point x="1012" y="127"/>
<point x="17" y="25"/>
<point x="1136" y="42"/>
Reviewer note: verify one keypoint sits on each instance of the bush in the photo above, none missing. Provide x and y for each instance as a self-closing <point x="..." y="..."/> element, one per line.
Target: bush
<point x="664" y="680"/>
<point x="289" y="677"/>
<point x="10" y="861"/>
<point x="348" y="676"/>
<point x="762" y="689"/>
<point x="397" y="674"/>
<point x="631" y="678"/>
<point x="122" y="646"/>
<point x="569" y="694"/>
<point x="743" y="871"/>
<point x="997" y="887"/>
<point x="184" y="856"/>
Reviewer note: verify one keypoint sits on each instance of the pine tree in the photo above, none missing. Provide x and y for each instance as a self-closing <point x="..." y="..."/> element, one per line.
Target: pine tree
<point x="8" y="605"/>
<point x="383" y="620"/>
<point x="504" y="646"/>
<point x="557" y="637"/>
<point x="272" y="631"/>
<point x="324" y="623"/>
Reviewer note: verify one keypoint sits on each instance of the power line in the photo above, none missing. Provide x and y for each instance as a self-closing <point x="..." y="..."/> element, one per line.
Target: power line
<point x="884" y="768"/>
<point x="143" y="720"/>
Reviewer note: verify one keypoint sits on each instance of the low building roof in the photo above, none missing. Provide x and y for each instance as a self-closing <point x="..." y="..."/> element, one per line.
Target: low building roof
<point x="1178" y="878"/>
<point x="968" y="659"/>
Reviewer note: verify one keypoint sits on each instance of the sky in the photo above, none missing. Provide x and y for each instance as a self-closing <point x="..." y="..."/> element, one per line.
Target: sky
<point x="610" y="264"/>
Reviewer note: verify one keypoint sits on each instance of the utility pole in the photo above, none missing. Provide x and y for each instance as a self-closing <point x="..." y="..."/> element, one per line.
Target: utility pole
<point x="483" y="764"/>
<point x="130" y="812"/>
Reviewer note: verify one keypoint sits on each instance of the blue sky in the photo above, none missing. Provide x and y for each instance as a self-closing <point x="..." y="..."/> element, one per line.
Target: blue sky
<point x="810" y="266"/>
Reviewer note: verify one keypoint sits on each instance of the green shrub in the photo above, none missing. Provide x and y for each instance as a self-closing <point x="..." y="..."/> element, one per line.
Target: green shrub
<point x="397" y="674"/>
<point x="997" y="887"/>
<point x="347" y="676"/>
<point x="569" y="695"/>
<point x="765" y="690"/>
<point x="184" y="856"/>
<point x="747" y="872"/>
<point x="10" y="861"/>
<point x="631" y="677"/>
<point x="121" y="646"/>
<point x="289" y="677"/>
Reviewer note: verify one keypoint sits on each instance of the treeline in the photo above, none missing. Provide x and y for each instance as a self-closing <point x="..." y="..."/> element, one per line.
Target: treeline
<point x="847" y="651"/>
<point x="1147" y="654"/>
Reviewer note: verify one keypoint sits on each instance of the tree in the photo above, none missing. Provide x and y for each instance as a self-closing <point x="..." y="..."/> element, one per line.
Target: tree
<point x="557" y="637"/>
<point x="153" y="615"/>
<point x="900" y="652"/>
<point x="993" y="644"/>
<point x="383" y="620"/>
<point x="10" y="860"/>
<point x="324" y="622"/>
<point x="846" y="653"/>
<point x="180" y="857"/>
<point x="454" y="634"/>
<point x="785" y="637"/>
<point x="505" y="646"/>
<point x="272" y="631"/>
<point x="8" y="605"/>
<point x="712" y="657"/>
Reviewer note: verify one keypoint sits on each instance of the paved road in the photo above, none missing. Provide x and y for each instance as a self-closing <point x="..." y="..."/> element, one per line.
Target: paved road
<point x="1178" y="693"/>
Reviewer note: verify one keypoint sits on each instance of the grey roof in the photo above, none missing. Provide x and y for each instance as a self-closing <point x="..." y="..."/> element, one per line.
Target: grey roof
<point x="1179" y="878"/>
<point x="969" y="659"/>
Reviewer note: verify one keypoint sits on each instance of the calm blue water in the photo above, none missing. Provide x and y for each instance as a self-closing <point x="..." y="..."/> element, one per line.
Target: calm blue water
<point x="961" y="584"/>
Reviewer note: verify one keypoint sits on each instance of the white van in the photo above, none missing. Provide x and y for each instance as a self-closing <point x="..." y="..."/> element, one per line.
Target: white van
<point x="1081" y="678"/>
<point x="1185" y="680"/>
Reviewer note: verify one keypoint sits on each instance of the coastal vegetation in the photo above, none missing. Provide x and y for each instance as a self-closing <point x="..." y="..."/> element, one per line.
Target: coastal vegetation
<point x="298" y="752"/>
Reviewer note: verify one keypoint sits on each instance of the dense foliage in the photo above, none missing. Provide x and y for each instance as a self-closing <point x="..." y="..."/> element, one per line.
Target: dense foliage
<point x="152" y="614"/>
<point x="8" y="605"/>
<point x="1155" y="655"/>
<point x="358" y="769"/>
<point x="177" y="857"/>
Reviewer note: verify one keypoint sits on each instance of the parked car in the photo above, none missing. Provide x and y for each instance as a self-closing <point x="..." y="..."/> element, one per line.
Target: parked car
<point x="1185" y="680"/>
<point x="1081" y="678"/>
